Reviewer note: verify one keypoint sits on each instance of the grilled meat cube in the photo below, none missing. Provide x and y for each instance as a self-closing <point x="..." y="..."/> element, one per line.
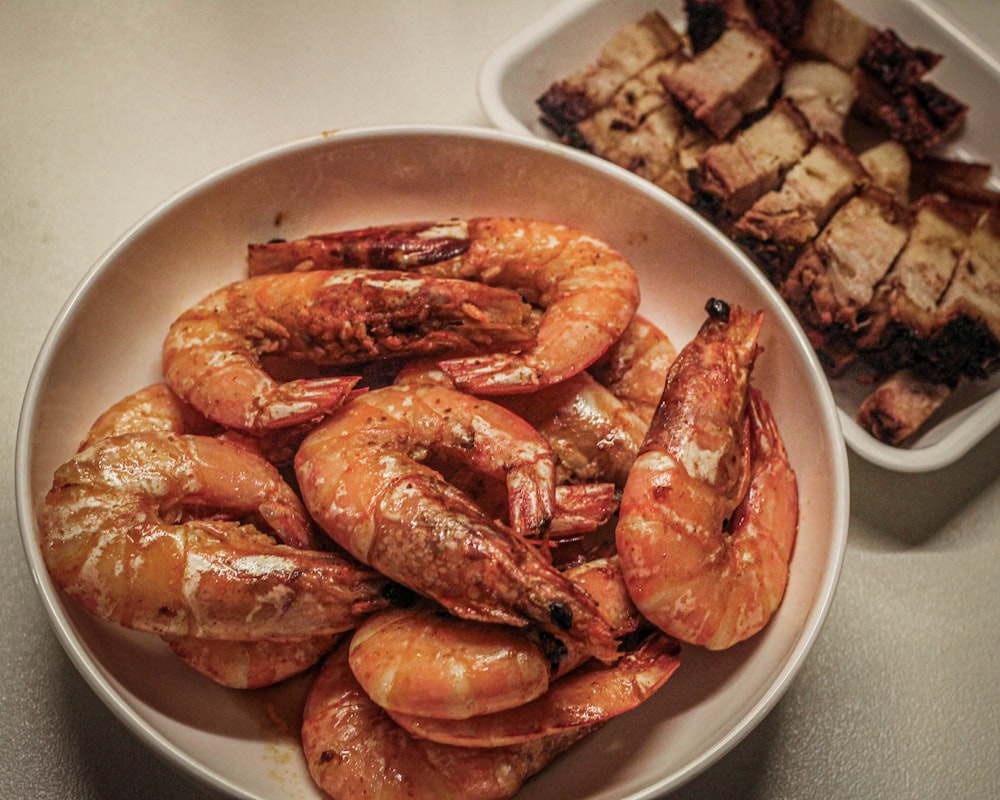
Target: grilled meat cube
<point x="971" y="303"/>
<point x="634" y="47"/>
<point x="823" y="92"/>
<point x="640" y="96"/>
<point x="894" y="64"/>
<point x="785" y="19"/>
<point x="642" y="130"/>
<point x="731" y="175"/>
<point x="831" y="32"/>
<point x="731" y="79"/>
<point x="906" y="302"/>
<point x="889" y="166"/>
<point x="783" y="221"/>
<point x="962" y="181"/>
<point x="897" y="408"/>
<point x="835" y="277"/>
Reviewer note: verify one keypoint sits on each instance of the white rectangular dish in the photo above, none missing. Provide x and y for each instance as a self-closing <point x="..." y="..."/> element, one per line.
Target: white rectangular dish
<point x="570" y="36"/>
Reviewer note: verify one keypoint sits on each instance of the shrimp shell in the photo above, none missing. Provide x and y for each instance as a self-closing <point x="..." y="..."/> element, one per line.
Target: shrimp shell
<point x="590" y="695"/>
<point x="426" y="662"/>
<point x="710" y="508"/>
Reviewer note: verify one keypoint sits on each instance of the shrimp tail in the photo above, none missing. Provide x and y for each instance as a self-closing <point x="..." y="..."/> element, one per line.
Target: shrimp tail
<point x="301" y="401"/>
<point x="496" y="373"/>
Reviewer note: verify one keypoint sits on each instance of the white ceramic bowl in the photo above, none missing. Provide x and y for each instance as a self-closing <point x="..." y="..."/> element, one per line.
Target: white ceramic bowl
<point x="106" y="342"/>
<point x="571" y="35"/>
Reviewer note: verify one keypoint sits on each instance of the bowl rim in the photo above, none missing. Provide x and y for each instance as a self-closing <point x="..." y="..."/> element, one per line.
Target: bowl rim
<point x="177" y="757"/>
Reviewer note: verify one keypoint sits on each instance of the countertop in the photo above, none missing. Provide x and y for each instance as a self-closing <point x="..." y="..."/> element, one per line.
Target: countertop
<point x="108" y="108"/>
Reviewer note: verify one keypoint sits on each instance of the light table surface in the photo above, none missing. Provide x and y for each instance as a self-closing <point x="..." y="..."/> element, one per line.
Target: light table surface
<point x="108" y="108"/>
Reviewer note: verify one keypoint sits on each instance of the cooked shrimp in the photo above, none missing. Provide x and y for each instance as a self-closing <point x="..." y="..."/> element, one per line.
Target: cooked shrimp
<point x="117" y="536"/>
<point x="593" y="434"/>
<point x="252" y="664"/>
<point x="424" y="661"/>
<point x="587" y="290"/>
<point x="361" y="479"/>
<point x="709" y="513"/>
<point x="235" y="664"/>
<point x="152" y="408"/>
<point x="211" y="355"/>
<point x="354" y="751"/>
<point x="634" y="368"/>
<point x="590" y="695"/>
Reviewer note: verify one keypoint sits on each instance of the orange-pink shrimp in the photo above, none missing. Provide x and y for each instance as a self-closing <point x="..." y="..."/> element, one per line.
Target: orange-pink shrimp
<point x="423" y="662"/>
<point x="212" y="352"/>
<point x="235" y="664"/>
<point x="121" y="534"/>
<point x="634" y="368"/>
<point x="426" y="662"/>
<point x="590" y="695"/>
<point x="252" y="664"/>
<point x="354" y="750"/>
<point x="361" y="477"/>
<point x="153" y="408"/>
<point x="593" y="434"/>
<point x="587" y="290"/>
<point x="710" y="511"/>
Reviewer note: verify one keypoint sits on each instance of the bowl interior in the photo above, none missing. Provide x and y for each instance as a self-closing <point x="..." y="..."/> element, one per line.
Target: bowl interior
<point x="107" y="342"/>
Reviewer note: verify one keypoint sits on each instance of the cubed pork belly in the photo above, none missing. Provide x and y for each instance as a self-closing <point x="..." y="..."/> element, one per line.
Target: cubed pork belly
<point x="969" y="341"/>
<point x="835" y="277"/>
<point x="785" y="19"/>
<point x="893" y="63"/>
<point x="642" y="130"/>
<point x="906" y="301"/>
<point x="628" y="51"/>
<point x="899" y="405"/>
<point x="782" y="222"/>
<point x="731" y="175"/>
<point x="831" y="32"/>
<point x="823" y="92"/>
<point x="731" y="79"/>
<point x="889" y="167"/>
<point x="963" y="181"/>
